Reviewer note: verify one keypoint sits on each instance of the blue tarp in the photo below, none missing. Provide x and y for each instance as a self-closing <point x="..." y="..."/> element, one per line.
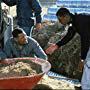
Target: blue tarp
<point x="61" y="77"/>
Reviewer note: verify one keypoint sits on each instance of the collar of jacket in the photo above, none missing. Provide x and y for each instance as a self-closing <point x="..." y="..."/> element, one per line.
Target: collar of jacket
<point x="72" y="19"/>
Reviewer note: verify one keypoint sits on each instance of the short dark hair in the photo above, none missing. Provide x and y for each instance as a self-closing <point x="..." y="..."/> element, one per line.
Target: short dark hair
<point x="17" y="31"/>
<point x="62" y="12"/>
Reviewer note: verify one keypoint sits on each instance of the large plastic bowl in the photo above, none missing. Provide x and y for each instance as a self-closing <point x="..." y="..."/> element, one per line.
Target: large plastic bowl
<point x="25" y="82"/>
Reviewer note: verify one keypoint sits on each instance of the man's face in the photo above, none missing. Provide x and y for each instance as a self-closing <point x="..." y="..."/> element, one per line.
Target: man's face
<point x="22" y="38"/>
<point x="64" y="19"/>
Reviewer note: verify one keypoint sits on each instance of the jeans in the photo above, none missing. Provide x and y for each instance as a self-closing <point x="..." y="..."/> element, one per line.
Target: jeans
<point x="7" y="34"/>
<point x="85" y="82"/>
<point x="9" y="29"/>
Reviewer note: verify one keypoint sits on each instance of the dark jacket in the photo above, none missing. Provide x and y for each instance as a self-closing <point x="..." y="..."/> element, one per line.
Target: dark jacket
<point x="80" y="25"/>
<point x="25" y="9"/>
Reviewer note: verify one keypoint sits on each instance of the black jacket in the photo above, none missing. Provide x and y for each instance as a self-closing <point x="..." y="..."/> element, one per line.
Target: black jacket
<point x="80" y="25"/>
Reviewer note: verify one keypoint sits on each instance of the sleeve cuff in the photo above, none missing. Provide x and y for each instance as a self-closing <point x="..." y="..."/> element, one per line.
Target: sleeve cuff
<point x="38" y="19"/>
<point x="59" y="44"/>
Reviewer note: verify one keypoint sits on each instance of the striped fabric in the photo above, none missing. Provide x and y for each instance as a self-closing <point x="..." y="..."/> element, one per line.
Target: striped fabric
<point x="61" y="77"/>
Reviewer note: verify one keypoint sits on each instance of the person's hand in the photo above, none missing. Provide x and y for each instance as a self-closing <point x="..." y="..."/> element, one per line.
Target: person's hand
<point x="38" y="26"/>
<point x="80" y="65"/>
<point x="45" y="66"/>
<point x="51" y="49"/>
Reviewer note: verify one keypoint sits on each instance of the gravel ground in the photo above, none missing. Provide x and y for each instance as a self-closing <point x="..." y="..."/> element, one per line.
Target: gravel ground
<point x="56" y="84"/>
